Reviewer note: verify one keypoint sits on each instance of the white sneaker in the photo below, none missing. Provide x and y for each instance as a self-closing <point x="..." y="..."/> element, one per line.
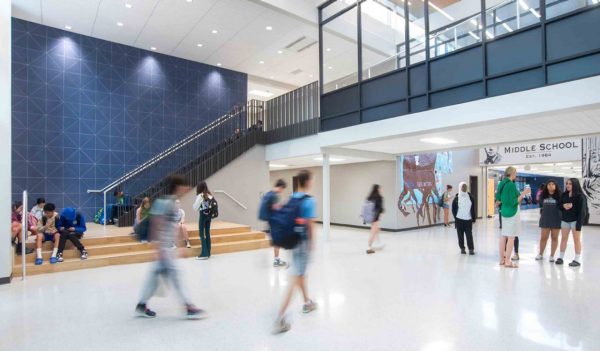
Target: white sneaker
<point x="539" y="257"/>
<point x="201" y="258"/>
<point x="551" y="259"/>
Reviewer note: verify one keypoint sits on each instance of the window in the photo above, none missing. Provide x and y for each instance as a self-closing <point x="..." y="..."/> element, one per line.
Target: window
<point x="383" y="37"/>
<point x="558" y="7"/>
<point x="507" y="16"/>
<point x="416" y="31"/>
<point x="340" y="51"/>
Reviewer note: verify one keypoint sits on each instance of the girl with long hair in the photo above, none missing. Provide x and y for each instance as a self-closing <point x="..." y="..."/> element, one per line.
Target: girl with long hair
<point x="574" y="209"/>
<point x="377" y="199"/>
<point x="550" y="218"/>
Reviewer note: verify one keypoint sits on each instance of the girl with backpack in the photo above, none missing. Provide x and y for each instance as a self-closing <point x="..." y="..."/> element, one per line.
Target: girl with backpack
<point x="377" y="200"/>
<point x="574" y="213"/>
<point x="203" y="203"/>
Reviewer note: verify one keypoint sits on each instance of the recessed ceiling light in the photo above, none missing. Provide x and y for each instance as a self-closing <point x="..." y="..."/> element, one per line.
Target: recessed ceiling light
<point x="260" y="93"/>
<point x="67" y="27"/>
<point x="189" y="0"/>
<point x="120" y="24"/>
<point x="261" y="62"/>
<point x="128" y="5"/>
<point x="328" y="49"/>
<point x="219" y="64"/>
<point x="310" y="76"/>
<point x="199" y="45"/>
<point x="269" y="28"/>
<point x="279" y="52"/>
<point x="439" y="141"/>
<point x="153" y="48"/>
<point x="331" y="159"/>
<point x="329" y="67"/>
<point x="276" y="165"/>
<point x="214" y="31"/>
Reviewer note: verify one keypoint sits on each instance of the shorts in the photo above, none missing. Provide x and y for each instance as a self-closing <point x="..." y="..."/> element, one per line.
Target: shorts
<point x="300" y="255"/>
<point x="445" y="205"/>
<point x="568" y="225"/>
<point x="48" y="237"/>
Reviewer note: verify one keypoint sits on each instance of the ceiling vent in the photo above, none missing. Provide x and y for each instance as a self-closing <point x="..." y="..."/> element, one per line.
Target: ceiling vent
<point x="307" y="46"/>
<point x="296" y="71"/>
<point x="295" y="42"/>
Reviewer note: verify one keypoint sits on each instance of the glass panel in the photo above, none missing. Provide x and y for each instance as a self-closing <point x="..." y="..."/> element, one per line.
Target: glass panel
<point x="465" y="33"/>
<point x="340" y="52"/>
<point x="336" y="7"/>
<point x="416" y="31"/>
<point x="383" y="40"/>
<point x="558" y="7"/>
<point x="506" y="16"/>
<point x="442" y="13"/>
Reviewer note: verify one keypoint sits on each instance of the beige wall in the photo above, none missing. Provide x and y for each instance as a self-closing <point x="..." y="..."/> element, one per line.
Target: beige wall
<point x="246" y="178"/>
<point x="5" y="139"/>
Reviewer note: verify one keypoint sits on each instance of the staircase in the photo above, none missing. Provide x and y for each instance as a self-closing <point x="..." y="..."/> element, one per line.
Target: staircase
<point x="125" y="249"/>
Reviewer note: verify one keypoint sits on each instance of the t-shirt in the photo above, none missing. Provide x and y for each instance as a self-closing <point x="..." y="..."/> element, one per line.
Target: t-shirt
<point x="307" y="209"/>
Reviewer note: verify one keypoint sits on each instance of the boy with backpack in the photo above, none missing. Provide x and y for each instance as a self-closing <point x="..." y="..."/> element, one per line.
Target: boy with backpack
<point x="299" y="213"/>
<point x="269" y="204"/>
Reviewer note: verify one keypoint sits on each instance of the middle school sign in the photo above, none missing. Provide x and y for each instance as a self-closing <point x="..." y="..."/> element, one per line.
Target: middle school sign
<point x="557" y="150"/>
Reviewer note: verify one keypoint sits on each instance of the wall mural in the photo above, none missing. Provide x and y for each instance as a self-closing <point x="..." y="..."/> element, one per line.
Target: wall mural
<point x="421" y="185"/>
<point x="591" y="176"/>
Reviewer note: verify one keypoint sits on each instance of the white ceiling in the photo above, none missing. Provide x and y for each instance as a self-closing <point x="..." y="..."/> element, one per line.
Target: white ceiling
<point x="312" y="161"/>
<point x="176" y="27"/>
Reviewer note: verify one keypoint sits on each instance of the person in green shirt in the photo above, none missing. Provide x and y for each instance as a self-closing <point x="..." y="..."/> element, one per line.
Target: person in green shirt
<point x="509" y="199"/>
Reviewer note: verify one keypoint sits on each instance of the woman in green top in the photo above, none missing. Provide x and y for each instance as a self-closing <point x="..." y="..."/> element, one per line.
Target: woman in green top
<point x="509" y="199"/>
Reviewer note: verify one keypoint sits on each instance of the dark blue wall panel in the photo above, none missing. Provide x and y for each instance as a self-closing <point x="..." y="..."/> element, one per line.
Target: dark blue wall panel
<point x="458" y="68"/>
<point x="516" y="51"/>
<point x="516" y="82"/>
<point x="385" y="89"/>
<point x="573" y="35"/>
<point x="386" y="111"/>
<point x="418" y="104"/>
<point x="348" y="120"/>
<point x="418" y="80"/>
<point x="85" y="111"/>
<point x="457" y="95"/>
<point x="579" y="68"/>
<point x="340" y="101"/>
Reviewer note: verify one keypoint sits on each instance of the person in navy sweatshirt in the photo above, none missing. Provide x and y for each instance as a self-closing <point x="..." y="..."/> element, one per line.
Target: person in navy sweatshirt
<point x="71" y="225"/>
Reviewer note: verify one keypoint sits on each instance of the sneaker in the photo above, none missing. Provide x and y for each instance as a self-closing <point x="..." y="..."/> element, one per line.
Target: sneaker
<point x="515" y="257"/>
<point x="551" y="259"/>
<point x="281" y="326"/>
<point x="559" y="261"/>
<point x="59" y="257"/>
<point x="53" y="260"/>
<point x="173" y="246"/>
<point x="187" y="244"/>
<point x="370" y="251"/>
<point x="84" y="255"/>
<point x="144" y="241"/>
<point x="39" y="261"/>
<point x="279" y="263"/>
<point x="574" y="264"/>
<point x="309" y="306"/>
<point x="193" y="312"/>
<point x="143" y="311"/>
<point x="471" y="252"/>
<point x="462" y="251"/>
<point x="539" y="258"/>
<point x="201" y="258"/>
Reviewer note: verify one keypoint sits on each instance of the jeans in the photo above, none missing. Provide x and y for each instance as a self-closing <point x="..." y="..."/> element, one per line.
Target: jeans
<point x="71" y="236"/>
<point x="465" y="228"/>
<point x="165" y="267"/>
<point x="204" y="229"/>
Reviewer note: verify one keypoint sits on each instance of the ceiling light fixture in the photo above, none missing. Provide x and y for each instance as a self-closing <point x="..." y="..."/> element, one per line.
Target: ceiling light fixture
<point x="153" y="48"/>
<point x="261" y="62"/>
<point x="120" y="24"/>
<point x="67" y="27"/>
<point x="439" y="141"/>
<point x="260" y="93"/>
<point x="279" y="52"/>
<point x="310" y="76"/>
<point x="219" y="64"/>
<point x="329" y="67"/>
<point x="331" y="159"/>
<point x="440" y="11"/>
<point x="269" y="28"/>
<point x="189" y="0"/>
<point x="199" y="45"/>
<point x="128" y="5"/>
<point x="328" y="49"/>
<point x="276" y="165"/>
<point x="214" y="31"/>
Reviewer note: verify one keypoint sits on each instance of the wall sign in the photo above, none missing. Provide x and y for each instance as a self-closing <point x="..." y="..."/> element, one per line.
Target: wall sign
<point x="591" y="176"/>
<point x="557" y="150"/>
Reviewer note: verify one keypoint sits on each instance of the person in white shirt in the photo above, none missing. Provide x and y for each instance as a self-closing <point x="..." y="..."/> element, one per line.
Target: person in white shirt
<point x="463" y="209"/>
<point x="38" y="210"/>
<point x="183" y="231"/>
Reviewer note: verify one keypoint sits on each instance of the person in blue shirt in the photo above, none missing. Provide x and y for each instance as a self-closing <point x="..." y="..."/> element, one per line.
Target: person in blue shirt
<point x="301" y="253"/>
<point x="71" y="225"/>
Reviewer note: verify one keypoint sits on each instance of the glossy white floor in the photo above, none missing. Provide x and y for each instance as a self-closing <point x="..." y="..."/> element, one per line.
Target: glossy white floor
<point x="418" y="293"/>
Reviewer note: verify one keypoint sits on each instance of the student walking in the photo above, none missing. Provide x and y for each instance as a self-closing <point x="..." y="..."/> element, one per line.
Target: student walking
<point x="163" y="230"/>
<point x="301" y="253"/>
<point x="463" y="210"/>
<point x="377" y="200"/>
<point x="509" y="199"/>
<point x="446" y="201"/>
<point x="574" y="211"/>
<point x="203" y="204"/>
<point x="550" y="218"/>
<point x="269" y="204"/>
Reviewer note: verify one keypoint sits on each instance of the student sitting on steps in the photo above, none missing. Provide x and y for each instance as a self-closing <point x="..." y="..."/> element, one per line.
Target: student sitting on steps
<point x="47" y="231"/>
<point x="71" y="225"/>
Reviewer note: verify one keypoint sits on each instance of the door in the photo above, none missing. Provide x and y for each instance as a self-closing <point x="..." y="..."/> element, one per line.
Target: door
<point x="474" y="189"/>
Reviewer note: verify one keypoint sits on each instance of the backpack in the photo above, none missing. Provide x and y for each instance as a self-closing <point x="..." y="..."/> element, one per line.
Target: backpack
<point x="286" y="225"/>
<point x="213" y="208"/>
<point x="368" y="212"/>
<point x="265" y="211"/>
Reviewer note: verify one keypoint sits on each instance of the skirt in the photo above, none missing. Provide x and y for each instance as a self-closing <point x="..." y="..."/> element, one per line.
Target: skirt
<point x="511" y="225"/>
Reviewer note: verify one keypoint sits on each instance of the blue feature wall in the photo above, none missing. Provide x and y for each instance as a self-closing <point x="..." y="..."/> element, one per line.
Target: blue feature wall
<point x="85" y="110"/>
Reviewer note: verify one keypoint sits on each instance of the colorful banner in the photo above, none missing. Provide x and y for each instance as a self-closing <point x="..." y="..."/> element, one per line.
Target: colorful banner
<point x="591" y="176"/>
<point x="558" y="150"/>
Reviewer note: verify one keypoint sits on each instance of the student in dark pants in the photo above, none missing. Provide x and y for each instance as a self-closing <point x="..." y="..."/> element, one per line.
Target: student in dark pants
<point x="71" y="225"/>
<point x="463" y="210"/>
<point x="203" y="205"/>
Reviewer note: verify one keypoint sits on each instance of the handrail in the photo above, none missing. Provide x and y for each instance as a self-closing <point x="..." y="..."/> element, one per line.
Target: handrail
<point x="231" y="197"/>
<point x="169" y="150"/>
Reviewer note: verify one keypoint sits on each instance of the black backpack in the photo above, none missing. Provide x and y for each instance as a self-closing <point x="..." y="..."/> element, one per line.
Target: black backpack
<point x="212" y="209"/>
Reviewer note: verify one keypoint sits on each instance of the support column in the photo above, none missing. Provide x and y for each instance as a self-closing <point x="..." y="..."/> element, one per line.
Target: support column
<point x="6" y="254"/>
<point x="326" y="197"/>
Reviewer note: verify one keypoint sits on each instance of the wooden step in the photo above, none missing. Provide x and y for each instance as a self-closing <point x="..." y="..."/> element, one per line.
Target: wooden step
<point x="95" y="261"/>
<point x="135" y="246"/>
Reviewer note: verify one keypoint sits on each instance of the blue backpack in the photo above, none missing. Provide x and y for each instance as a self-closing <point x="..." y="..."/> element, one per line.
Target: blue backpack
<point x="264" y="211"/>
<point x="286" y="229"/>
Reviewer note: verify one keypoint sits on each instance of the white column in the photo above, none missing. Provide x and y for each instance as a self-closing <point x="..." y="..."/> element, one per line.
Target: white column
<point x="326" y="197"/>
<point x="6" y="254"/>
